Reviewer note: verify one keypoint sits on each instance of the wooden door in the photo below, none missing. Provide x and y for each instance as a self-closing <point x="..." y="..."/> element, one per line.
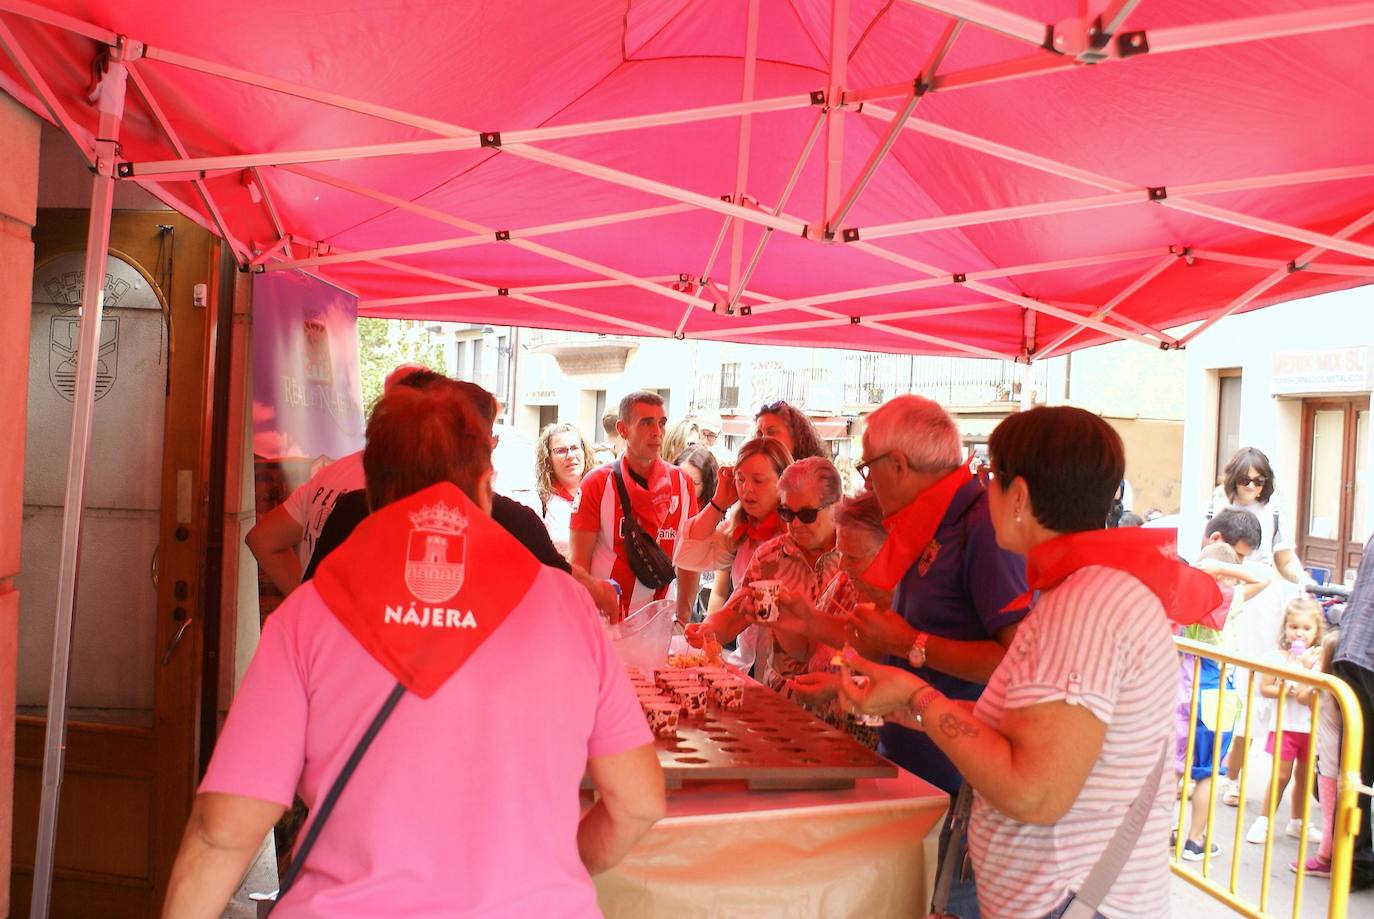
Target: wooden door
<point x="1331" y="504"/>
<point x="134" y="713"/>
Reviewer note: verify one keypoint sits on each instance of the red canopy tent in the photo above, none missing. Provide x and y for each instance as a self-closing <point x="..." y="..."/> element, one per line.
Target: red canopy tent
<point x="1010" y="179"/>
<point x="942" y="176"/>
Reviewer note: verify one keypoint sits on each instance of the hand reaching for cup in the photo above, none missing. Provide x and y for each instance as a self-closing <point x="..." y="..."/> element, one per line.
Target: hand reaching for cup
<point x="699" y="635"/>
<point x="882" y="629"/>
<point x="886" y="690"/>
<point x="795" y="612"/>
<point x="815" y="688"/>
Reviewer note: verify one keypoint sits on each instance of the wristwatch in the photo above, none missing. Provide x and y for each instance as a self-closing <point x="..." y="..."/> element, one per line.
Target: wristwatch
<point x="916" y="656"/>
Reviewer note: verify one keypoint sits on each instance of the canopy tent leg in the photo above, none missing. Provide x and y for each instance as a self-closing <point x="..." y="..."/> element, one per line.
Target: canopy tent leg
<point x="110" y="104"/>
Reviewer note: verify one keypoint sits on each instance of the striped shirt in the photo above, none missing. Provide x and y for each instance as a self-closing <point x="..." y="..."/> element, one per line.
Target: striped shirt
<point x="1099" y="639"/>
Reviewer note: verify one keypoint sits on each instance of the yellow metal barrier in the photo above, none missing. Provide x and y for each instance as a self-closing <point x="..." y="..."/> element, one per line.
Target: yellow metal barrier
<point x="1347" y="815"/>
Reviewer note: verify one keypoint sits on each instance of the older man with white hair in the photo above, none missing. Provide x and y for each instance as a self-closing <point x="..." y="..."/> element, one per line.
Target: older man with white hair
<point x="951" y="582"/>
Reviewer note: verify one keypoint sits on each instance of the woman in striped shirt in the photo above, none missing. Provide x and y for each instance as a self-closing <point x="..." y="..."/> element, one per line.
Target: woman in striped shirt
<point x="1074" y="722"/>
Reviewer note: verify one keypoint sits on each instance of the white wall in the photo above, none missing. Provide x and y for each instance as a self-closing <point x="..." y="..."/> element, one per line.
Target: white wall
<point x="1336" y="320"/>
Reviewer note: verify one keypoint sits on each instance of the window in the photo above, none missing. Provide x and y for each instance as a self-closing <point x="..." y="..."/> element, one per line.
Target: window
<point x="475" y="365"/>
<point x="600" y="411"/>
<point x="548" y="414"/>
<point x="667" y="396"/>
<point x="729" y="387"/>
<point x="1228" y="418"/>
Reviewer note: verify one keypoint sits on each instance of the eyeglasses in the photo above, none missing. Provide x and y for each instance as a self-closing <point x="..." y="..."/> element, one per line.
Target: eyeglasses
<point x="804" y="514"/>
<point x="772" y="408"/>
<point x="1257" y="481"/>
<point x="985" y="475"/>
<point x="863" y="468"/>
<point x="565" y="451"/>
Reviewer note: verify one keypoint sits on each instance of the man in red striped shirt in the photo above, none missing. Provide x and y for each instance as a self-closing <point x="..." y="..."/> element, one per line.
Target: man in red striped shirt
<point x="660" y="494"/>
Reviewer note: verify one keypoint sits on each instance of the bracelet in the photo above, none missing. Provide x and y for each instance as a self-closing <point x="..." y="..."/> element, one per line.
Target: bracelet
<point x="921" y="700"/>
<point x="713" y="503"/>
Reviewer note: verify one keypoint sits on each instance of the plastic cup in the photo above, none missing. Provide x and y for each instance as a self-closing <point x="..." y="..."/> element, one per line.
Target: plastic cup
<point x="766" y="595"/>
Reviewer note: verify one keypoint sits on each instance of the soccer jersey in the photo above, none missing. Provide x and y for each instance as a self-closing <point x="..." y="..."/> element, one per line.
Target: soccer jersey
<point x="662" y="510"/>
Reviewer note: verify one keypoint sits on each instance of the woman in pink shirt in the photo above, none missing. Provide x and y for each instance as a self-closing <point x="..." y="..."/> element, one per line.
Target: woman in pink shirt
<point x="466" y="803"/>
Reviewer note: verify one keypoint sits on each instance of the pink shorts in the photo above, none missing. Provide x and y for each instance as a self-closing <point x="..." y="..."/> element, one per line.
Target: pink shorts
<point x="1294" y="745"/>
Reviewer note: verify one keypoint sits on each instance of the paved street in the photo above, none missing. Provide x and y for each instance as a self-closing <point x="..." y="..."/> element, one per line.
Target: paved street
<point x="1189" y="902"/>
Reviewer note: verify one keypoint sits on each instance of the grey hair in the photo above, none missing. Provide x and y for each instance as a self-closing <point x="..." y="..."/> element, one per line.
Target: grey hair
<point x="862" y="513"/>
<point x="920" y="430"/>
<point x="813" y="469"/>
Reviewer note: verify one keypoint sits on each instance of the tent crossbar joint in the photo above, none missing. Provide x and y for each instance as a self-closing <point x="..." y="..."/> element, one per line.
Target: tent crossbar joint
<point x="491" y="139"/>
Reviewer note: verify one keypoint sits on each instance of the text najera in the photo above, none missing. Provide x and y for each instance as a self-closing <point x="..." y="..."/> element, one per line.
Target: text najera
<point x="431" y="617"/>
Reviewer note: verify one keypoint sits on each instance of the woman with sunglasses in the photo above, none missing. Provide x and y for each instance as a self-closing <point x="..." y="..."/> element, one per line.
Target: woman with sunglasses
<point x="561" y="460"/>
<point x="716" y="541"/>
<point x="804" y="559"/>
<point x="791" y="426"/>
<point x="1248" y="484"/>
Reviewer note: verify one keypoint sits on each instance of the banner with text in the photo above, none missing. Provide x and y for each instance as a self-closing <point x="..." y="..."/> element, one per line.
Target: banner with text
<point x="307" y="393"/>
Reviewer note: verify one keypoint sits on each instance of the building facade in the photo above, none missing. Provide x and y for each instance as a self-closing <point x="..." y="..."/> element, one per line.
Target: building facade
<point x="1293" y="380"/>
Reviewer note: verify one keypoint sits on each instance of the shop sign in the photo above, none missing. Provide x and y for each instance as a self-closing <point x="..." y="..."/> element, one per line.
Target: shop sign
<point x="541" y="397"/>
<point x="1339" y="370"/>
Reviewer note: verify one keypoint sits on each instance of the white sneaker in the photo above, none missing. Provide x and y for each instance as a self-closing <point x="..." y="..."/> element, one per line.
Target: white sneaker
<point x="1258" y="830"/>
<point x="1230" y="793"/>
<point x="1294" y="829"/>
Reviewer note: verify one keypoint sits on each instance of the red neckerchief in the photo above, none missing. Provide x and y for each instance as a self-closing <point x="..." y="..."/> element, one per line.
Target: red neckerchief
<point x="759" y="531"/>
<point x="1215" y="618"/>
<point x="651" y="507"/>
<point x="423" y="582"/>
<point x="911" y="531"/>
<point x="1148" y="555"/>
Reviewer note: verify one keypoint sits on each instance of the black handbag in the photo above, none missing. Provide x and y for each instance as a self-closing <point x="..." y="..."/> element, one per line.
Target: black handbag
<point x="651" y="565"/>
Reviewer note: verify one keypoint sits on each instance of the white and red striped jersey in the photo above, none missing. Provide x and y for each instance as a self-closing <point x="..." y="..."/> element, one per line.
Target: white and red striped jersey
<point x="662" y="510"/>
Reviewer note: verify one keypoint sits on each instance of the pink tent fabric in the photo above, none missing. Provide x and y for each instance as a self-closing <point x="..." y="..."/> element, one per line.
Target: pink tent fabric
<point x="1210" y="158"/>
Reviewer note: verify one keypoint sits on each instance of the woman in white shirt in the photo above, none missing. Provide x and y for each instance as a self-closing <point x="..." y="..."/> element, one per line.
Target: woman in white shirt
<point x="1248" y="484"/>
<point x="717" y="541"/>
<point x="561" y="460"/>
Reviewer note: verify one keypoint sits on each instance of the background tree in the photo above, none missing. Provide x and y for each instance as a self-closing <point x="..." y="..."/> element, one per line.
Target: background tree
<point x="384" y="343"/>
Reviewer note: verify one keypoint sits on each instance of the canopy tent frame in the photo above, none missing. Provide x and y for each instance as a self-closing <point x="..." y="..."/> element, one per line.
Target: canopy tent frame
<point x="455" y="137"/>
<point x="1099" y="35"/>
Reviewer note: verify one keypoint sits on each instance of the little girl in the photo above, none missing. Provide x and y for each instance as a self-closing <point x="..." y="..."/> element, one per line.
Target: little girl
<point x="1299" y="640"/>
<point x="1328" y="765"/>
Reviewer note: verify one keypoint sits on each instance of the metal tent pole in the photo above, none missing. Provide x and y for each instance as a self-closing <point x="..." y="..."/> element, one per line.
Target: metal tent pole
<point x="111" y="108"/>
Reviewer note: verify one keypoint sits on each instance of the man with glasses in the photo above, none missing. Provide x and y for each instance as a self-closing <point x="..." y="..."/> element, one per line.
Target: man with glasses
<point x="952" y="583"/>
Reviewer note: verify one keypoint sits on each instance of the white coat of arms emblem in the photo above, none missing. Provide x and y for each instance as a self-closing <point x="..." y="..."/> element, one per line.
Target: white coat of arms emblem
<point x="436" y="553"/>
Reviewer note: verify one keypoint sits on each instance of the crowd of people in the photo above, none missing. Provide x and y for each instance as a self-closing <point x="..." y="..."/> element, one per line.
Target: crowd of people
<point x="1010" y="647"/>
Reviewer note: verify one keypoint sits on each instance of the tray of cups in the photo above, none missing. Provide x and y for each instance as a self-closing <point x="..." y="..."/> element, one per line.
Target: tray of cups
<point x="711" y="724"/>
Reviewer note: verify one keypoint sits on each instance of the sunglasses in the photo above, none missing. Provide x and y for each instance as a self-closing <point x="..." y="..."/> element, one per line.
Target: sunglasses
<point x="564" y="451"/>
<point x="1258" y="481"/>
<point x="804" y="514"/>
<point x="772" y="408"/>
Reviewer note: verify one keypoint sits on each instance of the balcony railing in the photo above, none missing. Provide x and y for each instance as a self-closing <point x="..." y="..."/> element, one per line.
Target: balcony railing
<point x="817" y="390"/>
<point x="871" y="379"/>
